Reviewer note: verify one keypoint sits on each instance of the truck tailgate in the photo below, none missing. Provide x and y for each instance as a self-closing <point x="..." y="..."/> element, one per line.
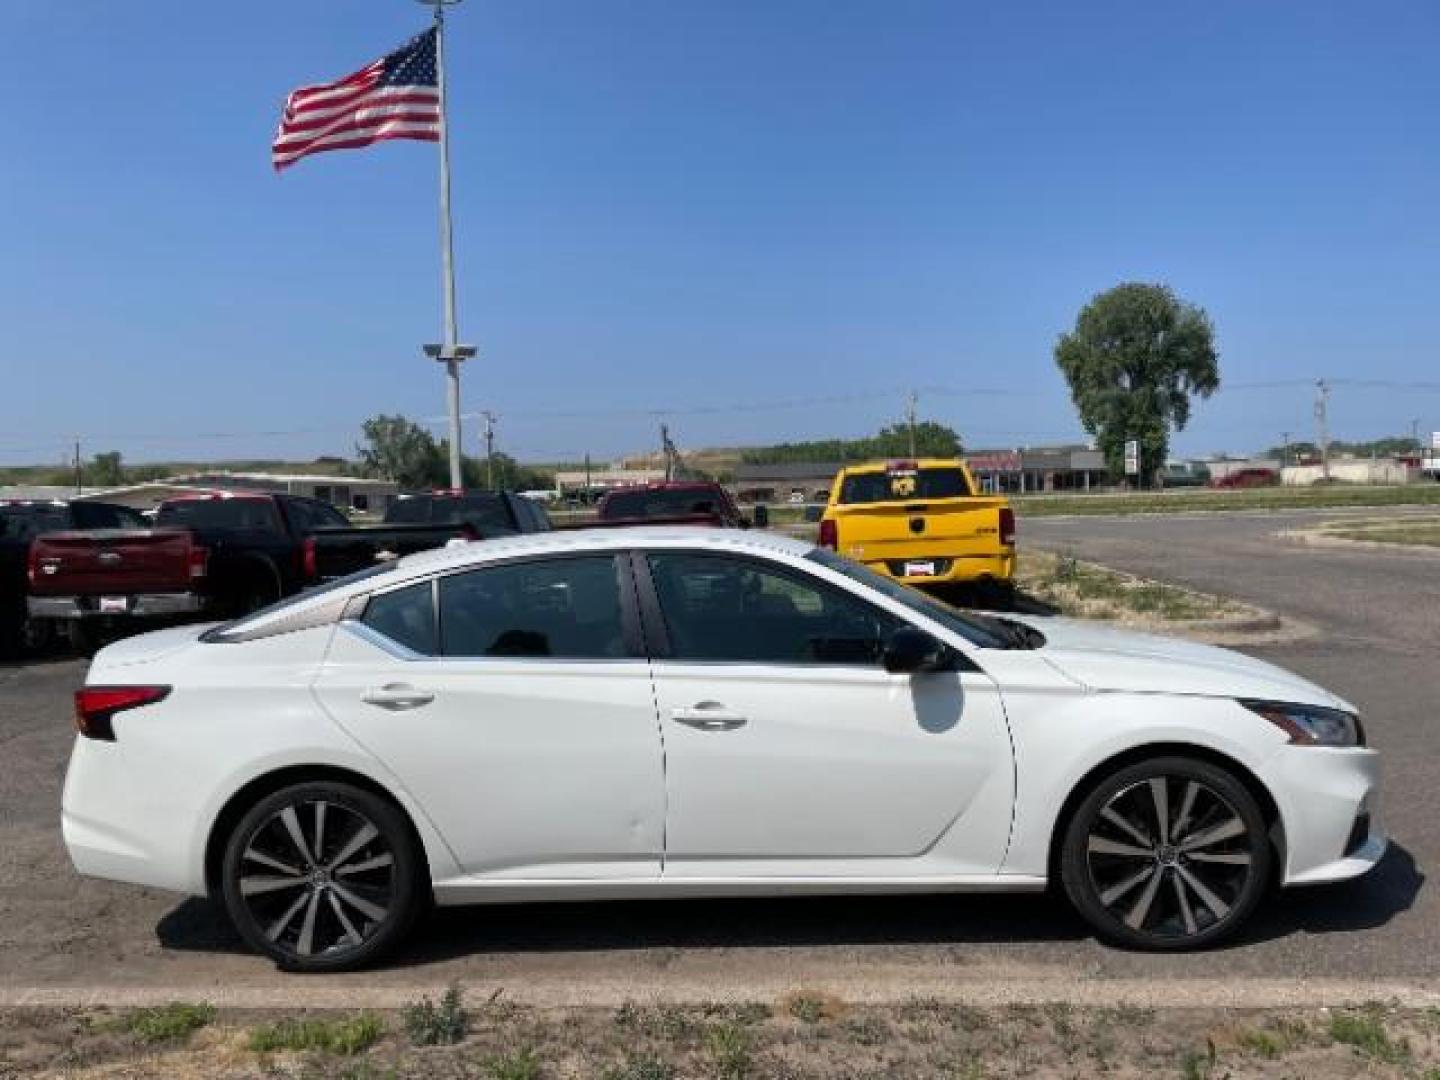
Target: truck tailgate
<point x="939" y="527"/>
<point x="120" y="561"/>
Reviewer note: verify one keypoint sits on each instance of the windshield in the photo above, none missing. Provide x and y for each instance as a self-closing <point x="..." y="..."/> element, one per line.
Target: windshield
<point x="979" y="630"/>
<point x="906" y="483"/>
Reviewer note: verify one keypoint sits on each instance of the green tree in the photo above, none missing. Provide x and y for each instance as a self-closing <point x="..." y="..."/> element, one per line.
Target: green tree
<point x="401" y="450"/>
<point x="1136" y="357"/>
<point x="106" y="470"/>
<point x="932" y="439"/>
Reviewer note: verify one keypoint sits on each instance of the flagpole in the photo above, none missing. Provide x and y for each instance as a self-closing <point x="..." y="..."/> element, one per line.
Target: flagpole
<point x="451" y="351"/>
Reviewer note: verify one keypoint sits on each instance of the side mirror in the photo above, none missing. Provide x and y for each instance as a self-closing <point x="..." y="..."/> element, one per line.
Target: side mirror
<point x="910" y="650"/>
<point x="761" y="516"/>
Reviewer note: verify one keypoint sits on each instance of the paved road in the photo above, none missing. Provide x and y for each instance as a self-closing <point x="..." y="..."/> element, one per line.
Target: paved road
<point x="1378" y="623"/>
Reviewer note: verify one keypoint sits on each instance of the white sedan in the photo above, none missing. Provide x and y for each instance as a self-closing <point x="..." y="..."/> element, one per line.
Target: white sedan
<point x="696" y="712"/>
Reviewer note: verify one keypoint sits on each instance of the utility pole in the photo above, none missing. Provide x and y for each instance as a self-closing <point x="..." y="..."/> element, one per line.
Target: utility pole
<point x="914" y="401"/>
<point x="1322" y="425"/>
<point x="1285" y="453"/>
<point x="79" y="476"/>
<point x="1415" y="434"/>
<point x="587" y="476"/>
<point x="489" y="448"/>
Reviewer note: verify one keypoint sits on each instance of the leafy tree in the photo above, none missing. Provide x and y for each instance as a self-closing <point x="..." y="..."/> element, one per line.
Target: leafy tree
<point x="1136" y="357"/>
<point x="403" y="451"/>
<point x="106" y="470"/>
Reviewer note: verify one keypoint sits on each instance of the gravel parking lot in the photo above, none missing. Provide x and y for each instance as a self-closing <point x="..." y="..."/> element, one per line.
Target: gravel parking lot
<point x="1377" y="621"/>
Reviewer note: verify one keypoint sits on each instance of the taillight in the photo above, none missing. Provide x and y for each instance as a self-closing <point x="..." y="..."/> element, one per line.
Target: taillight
<point x="1007" y="525"/>
<point x="199" y="561"/>
<point x="96" y="706"/>
<point x="829" y="534"/>
<point x="309" y="566"/>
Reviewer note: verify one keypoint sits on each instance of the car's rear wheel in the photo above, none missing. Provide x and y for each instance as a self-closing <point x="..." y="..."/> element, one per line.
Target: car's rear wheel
<point x="322" y="876"/>
<point x="1167" y="854"/>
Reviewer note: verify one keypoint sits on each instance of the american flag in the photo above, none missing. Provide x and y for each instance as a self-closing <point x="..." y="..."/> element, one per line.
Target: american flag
<point x="396" y="97"/>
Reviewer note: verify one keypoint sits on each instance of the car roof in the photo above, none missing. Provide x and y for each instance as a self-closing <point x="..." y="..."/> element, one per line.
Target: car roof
<point x="562" y="541"/>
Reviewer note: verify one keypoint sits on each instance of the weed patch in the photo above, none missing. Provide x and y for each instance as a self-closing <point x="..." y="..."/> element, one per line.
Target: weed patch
<point x="429" y="1023"/>
<point x="343" y="1036"/>
<point x="170" y="1023"/>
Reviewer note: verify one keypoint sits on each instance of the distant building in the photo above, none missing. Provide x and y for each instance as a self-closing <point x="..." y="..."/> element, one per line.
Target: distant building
<point x="793" y="481"/>
<point x="604" y="478"/>
<point x="1038" y="468"/>
<point x="346" y="492"/>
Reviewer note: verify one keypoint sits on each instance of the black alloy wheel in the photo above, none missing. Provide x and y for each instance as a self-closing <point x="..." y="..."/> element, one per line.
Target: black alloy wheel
<point x="322" y="877"/>
<point x="1168" y="854"/>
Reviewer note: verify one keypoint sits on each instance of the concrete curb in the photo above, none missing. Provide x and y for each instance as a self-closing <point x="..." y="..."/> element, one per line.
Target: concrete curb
<point x="871" y="988"/>
<point x="1316" y="538"/>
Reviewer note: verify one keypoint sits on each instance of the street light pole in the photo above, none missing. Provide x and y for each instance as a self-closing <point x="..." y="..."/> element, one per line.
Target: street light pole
<point x="450" y="352"/>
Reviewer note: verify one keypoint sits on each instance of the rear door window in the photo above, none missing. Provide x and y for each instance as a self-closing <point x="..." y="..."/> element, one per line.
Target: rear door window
<point x="566" y="609"/>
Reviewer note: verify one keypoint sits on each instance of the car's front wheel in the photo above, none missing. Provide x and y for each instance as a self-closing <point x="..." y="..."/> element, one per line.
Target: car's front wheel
<point x="322" y="876"/>
<point x="1167" y="854"/>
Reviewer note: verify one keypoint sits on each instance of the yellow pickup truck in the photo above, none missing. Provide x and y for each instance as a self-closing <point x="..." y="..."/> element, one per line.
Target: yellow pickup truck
<point x="921" y="522"/>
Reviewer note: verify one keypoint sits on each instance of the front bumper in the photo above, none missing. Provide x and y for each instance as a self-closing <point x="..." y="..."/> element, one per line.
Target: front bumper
<point x="133" y="606"/>
<point x="1329" y="802"/>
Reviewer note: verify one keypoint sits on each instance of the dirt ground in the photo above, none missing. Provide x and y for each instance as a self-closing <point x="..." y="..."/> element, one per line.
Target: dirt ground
<point x="798" y="1036"/>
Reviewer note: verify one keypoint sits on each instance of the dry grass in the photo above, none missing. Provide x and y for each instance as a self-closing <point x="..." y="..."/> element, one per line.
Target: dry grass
<point x="807" y="1034"/>
<point x="1085" y="590"/>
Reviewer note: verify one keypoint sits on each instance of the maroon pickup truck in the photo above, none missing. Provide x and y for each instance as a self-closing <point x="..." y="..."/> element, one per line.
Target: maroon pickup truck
<point x="675" y="502"/>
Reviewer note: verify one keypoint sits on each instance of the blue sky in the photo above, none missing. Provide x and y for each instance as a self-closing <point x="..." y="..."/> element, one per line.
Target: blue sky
<point x="795" y="208"/>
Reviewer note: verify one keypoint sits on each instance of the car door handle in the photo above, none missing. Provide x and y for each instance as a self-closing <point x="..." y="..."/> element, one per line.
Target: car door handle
<point x="397" y="696"/>
<point x="708" y="716"/>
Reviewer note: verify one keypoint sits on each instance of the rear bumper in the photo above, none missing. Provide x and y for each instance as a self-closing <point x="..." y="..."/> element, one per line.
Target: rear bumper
<point x="949" y="569"/>
<point x="136" y="606"/>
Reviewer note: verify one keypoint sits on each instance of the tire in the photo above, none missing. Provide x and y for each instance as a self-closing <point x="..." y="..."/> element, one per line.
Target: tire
<point x="1207" y="872"/>
<point x="84" y="637"/>
<point x="353" y="917"/>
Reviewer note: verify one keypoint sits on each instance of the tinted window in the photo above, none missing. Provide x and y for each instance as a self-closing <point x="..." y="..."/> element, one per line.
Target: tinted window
<point x="566" y="608"/>
<point x="221" y="513"/>
<point x="307" y="516"/>
<point x="23" y="522"/>
<point x="487" y="513"/>
<point x="406" y="616"/>
<point x="904" y="484"/>
<point x="977" y="629"/>
<point x="719" y="608"/>
<point x="672" y="503"/>
<point x="105" y="516"/>
<point x="411" y="511"/>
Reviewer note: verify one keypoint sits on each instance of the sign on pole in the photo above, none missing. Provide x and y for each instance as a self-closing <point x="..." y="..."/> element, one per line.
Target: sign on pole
<point x="1132" y="457"/>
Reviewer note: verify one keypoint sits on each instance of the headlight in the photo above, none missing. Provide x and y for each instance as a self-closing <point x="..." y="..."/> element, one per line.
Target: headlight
<point x="1311" y="725"/>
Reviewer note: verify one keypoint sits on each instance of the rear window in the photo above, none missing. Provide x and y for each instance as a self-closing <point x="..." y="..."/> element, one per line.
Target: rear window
<point x="673" y="503"/>
<point x="251" y="514"/>
<point x="105" y="516"/>
<point x="487" y="513"/>
<point x="905" y="485"/>
<point x="24" y="522"/>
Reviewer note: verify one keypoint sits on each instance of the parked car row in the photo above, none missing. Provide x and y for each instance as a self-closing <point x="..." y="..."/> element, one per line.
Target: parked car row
<point x="89" y="571"/>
